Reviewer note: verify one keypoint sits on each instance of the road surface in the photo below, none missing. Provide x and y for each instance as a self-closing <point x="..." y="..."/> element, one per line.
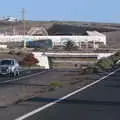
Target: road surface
<point x="98" y="102"/>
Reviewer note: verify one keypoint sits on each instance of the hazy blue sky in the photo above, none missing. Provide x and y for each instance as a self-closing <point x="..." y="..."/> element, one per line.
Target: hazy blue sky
<point x="79" y="10"/>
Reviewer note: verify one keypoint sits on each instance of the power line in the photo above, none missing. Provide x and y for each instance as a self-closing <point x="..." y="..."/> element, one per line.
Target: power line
<point x="24" y="26"/>
<point x="23" y="19"/>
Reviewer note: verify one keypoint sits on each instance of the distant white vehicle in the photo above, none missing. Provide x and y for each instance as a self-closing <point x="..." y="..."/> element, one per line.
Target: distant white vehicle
<point x="9" y="67"/>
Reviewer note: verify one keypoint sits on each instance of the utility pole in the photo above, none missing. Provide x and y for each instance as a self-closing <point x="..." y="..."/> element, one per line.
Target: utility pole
<point x="23" y="20"/>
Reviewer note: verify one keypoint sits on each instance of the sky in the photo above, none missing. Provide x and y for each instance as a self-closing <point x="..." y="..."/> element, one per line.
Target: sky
<point x="63" y="10"/>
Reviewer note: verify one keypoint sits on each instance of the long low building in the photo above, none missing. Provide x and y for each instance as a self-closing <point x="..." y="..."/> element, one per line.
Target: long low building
<point x="93" y="39"/>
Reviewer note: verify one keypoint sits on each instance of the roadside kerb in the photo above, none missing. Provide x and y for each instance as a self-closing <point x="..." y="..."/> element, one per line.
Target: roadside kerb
<point x="64" y="97"/>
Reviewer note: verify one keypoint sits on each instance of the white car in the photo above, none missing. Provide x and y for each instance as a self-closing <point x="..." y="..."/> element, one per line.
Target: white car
<point x="9" y="67"/>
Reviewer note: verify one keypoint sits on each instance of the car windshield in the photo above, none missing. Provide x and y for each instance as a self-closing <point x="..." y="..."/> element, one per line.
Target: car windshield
<point x="6" y="62"/>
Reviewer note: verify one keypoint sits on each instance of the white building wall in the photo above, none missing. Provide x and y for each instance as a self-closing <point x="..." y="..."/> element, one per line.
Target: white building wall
<point x="57" y="40"/>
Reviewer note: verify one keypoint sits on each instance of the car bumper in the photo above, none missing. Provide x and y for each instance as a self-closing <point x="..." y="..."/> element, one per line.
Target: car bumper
<point x="4" y="72"/>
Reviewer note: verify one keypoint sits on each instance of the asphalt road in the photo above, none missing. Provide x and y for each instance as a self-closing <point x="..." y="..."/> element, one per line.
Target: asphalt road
<point x="14" y="95"/>
<point x="22" y="73"/>
<point x="98" y="102"/>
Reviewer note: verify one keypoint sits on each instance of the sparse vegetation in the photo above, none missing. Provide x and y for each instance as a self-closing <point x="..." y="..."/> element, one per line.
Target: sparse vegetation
<point x="70" y="45"/>
<point x="91" y="69"/>
<point x="29" y="60"/>
<point x="51" y="63"/>
<point x="20" y="53"/>
<point x="55" y="84"/>
<point x="102" y="64"/>
<point x="105" y="63"/>
<point x="12" y="52"/>
<point x="115" y="57"/>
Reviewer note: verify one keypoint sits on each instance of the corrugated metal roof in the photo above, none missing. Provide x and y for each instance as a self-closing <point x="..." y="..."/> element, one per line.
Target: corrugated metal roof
<point x="94" y="33"/>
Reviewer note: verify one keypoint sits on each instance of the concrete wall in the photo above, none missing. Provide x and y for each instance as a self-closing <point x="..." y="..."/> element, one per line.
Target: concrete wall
<point x="113" y="39"/>
<point x="99" y="55"/>
<point x="104" y="55"/>
<point x="44" y="62"/>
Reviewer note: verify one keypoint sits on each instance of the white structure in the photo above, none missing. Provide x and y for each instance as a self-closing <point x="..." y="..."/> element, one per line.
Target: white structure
<point x="99" y="55"/>
<point x="3" y="46"/>
<point x="43" y="59"/>
<point x="12" y="19"/>
<point x="8" y="18"/>
<point x="37" y="31"/>
<point x="93" y="38"/>
<point x="44" y="62"/>
<point x="94" y="33"/>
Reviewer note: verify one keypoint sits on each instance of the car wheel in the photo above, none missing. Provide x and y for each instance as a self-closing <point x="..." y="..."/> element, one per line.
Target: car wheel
<point x="12" y="74"/>
<point x="17" y="73"/>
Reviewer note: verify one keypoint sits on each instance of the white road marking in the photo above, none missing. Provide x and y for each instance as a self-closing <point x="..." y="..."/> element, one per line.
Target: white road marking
<point x="63" y="98"/>
<point x="27" y="76"/>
